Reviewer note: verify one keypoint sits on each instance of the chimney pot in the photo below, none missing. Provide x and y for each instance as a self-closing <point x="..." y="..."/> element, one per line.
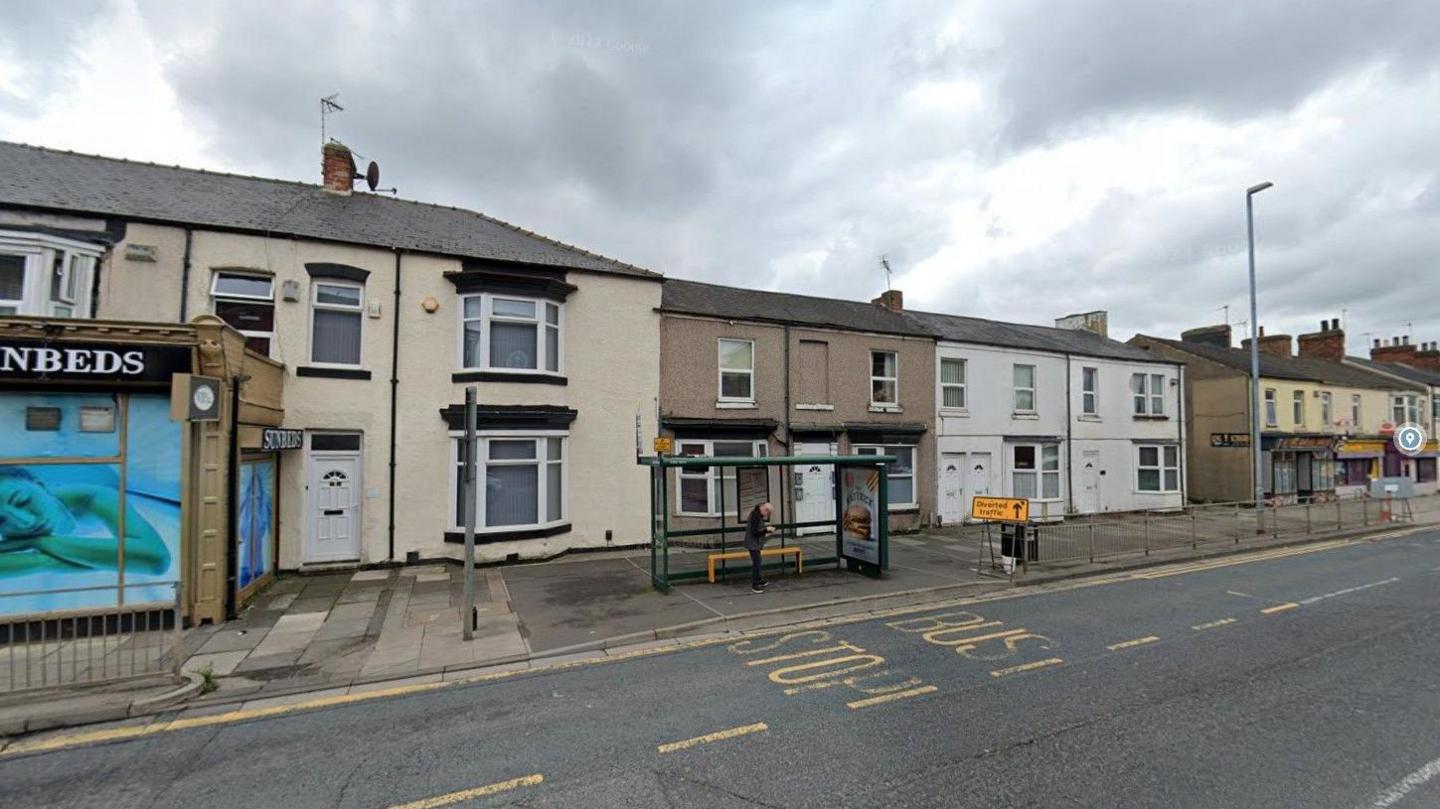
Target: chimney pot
<point x="1377" y="342"/>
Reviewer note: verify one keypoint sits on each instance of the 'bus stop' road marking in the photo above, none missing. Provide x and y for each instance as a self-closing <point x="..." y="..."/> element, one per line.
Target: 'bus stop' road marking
<point x="1213" y="624"/>
<point x="883" y="698"/>
<point x="719" y="735"/>
<point x="1130" y="643"/>
<point x="1289" y="605"/>
<point x="468" y="794"/>
<point x="1038" y="664"/>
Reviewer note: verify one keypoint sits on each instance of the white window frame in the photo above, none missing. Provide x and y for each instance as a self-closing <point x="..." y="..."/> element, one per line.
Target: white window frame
<point x="1147" y="392"/>
<point x="1160" y="467"/>
<point x="1355" y="400"/>
<point x="1297" y="407"/>
<point x="358" y="309"/>
<point x="1089" y="390"/>
<point x="893" y="380"/>
<point x="40" y="252"/>
<point x="721" y="371"/>
<point x="541" y="461"/>
<point x="1017" y="388"/>
<point x="953" y="386"/>
<point x="1327" y="409"/>
<point x="1272" y="407"/>
<point x="1039" y="473"/>
<point x="230" y="296"/>
<point x="888" y="449"/>
<point x="1405" y="408"/>
<point x="713" y="475"/>
<point x="543" y="327"/>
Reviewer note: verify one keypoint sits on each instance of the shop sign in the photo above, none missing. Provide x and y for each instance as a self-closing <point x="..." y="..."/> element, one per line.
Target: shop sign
<point x="1305" y="442"/>
<point x="1229" y="439"/>
<point x="92" y="361"/>
<point x="277" y="439"/>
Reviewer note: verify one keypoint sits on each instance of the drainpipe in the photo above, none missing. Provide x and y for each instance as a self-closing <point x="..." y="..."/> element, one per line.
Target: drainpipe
<point x="231" y="511"/>
<point x="1184" y="448"/>
<point x="185" y="276"/>
<point x="394" y="397"/>
<point x="787" y="473"/>
<point x="1069" y="454"/>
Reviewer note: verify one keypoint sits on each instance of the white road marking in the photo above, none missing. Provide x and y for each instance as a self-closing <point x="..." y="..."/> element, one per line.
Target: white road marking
<point x="1397" y="793"/>
<point x="1349" y="590"/>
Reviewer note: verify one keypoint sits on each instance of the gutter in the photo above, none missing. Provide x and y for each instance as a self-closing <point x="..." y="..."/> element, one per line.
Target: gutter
<point x="394" y="398"/>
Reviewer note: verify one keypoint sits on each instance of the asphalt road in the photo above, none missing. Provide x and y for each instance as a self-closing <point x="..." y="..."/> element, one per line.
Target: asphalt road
<point x="1304" y="680"/>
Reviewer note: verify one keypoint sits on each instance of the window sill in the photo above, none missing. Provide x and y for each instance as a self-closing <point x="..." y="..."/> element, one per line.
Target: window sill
<point x="885" y="408"/>
<point x="911" y="508"/>
<point x="826" y="407"/>
<point x="1142" y="491"/>
<point x="955" y="412"/>
<point x="1027" y="415"/>
<point x="508" y="376"/>
<point x="483" y="537"/>
<point x="1151" y="418"/>
<point x="1088" y="417"/>
<point x="331" y="373"/>
<point x="736" y="406"/>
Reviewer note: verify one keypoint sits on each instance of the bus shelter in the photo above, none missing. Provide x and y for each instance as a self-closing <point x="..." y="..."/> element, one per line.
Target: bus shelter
<point x="860" y="527"/>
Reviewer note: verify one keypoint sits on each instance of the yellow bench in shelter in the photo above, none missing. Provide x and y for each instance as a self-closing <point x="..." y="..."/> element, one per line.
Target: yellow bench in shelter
<point x="764" y="552"/>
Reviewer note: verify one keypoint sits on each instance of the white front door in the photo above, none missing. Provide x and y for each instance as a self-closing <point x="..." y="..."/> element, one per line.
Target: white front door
<point x="333" y="533"/>
<point x="952" y="488"/>
<point x="979" y="474"/>
<point x="815" y="489"/>
<point x="1090" y="482"/>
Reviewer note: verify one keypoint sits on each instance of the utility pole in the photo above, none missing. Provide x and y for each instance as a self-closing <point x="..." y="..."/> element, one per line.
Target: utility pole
<point x="1259" y="480"/>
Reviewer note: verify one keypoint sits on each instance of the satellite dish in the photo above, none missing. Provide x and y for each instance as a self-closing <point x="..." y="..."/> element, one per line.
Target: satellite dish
<point x="372" y="175"/>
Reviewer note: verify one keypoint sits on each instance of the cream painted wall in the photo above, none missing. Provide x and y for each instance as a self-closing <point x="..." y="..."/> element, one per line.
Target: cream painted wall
<point x="610" y="355"/>
<point x="1374" y="408"/>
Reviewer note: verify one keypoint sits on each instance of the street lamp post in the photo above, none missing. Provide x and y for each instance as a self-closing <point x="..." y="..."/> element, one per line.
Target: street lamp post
<point x="1255" y="362"/>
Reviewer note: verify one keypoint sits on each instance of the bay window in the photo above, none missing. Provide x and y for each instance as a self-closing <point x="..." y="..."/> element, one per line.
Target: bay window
<point x="336" y="324"/>
<point x="1157" y="468"/>
<point x="703" y="490"/>
<point x="519" y="481"/>
<point x="1035" y="471"/>
<point x="45" y="276"/>
<point x="507" y="333"/>
<point x="900" y="475"/>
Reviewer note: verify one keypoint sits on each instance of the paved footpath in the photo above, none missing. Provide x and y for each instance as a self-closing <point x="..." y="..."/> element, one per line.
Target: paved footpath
<point x="1297" y="677"/>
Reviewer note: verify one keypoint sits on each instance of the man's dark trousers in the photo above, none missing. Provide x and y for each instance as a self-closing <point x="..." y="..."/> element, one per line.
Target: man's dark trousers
<point x="755" y="580"/>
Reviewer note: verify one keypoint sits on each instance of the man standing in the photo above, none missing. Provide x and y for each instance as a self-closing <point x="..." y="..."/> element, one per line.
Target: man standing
<point x="756" y="530"/>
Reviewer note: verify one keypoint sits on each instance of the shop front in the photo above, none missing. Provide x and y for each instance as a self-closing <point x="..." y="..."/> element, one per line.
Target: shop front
<point x="1299" y="468"/>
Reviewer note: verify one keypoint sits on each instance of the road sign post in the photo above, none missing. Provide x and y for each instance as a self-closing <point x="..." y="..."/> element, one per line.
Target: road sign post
<point x="467" y="615"/>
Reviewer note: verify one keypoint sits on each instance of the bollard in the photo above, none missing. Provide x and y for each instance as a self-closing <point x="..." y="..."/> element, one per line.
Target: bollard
<point x="1307" y="518"/>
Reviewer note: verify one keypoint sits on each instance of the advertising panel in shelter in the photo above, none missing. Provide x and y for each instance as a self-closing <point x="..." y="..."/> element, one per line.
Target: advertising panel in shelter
<point x="859" y="513"/>
<point x="89" y="501"/>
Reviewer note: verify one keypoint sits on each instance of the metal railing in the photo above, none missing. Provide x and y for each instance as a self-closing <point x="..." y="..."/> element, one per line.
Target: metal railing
<point x="106" y="645"/>
<point x="1079" y="540"/>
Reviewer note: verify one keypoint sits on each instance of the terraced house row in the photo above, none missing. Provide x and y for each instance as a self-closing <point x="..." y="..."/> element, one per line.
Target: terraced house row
<point x="304" y="350"/>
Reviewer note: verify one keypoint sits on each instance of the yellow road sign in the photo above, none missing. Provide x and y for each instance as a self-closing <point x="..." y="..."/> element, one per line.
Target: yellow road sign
<point x="664" y="444"/>
<point x="1001" y="509"/>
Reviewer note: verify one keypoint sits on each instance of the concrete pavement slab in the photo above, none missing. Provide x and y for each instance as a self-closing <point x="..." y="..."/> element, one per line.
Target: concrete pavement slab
<point x="221" y="663"/>
<point x="227" y="640"/>
<point x="371" y="575"/>
<point x="350" y="612"/>
<point x="298" y="622"/>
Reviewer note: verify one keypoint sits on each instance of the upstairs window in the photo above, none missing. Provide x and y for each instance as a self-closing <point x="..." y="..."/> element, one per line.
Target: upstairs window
<point x="1148" y="391"/>
<point x="1272" y="416"/>
<point x="1024" y="378"/>
<point x="336" y="324"/>
<point x="884" y="379"/>
<point x="1325" y="415"/>
<point x="247" y="303"/>
<point x="737" y="370"/>
<point x="65" y="274"/>
<point x="952" y="383"/>
<point x="1090" y="391"/>
<point x="1405" y="408"/>
<point x="506" y="333"/>
<point x="1297" y="404"/>
<point x="12" y="284"/>
<point x="45" y="276"/>
<point x="1355" y="410"/>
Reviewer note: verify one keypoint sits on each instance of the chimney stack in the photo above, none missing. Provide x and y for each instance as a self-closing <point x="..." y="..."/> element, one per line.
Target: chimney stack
<point x="1097" y="322"/>
<point x="338" y="168"/>
<point x="1326" y="344"/>
<point x="1394" y="351"/>
<point x="1208" y="335"/>
<point x="1428" y="357"/>
<point x="1276" y="345"/>
<point x="892" y="299"/>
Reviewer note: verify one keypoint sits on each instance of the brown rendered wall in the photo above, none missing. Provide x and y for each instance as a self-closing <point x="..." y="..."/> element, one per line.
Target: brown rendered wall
<point x="689" y="388"/>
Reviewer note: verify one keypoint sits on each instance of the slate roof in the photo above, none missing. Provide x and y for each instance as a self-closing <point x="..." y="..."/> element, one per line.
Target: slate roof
<point x="1304" y="369"/>
<point x="1413" y="374"/>
<point x="955" y="328"/>
<point x="35" y="177"/>
<point x="713" y="300"/>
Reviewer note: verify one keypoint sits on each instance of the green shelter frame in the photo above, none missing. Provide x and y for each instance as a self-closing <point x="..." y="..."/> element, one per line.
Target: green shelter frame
<point x="661" y="534"/>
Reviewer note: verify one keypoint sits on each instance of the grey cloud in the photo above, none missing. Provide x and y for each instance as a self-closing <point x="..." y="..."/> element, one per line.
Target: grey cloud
<point x="43" y="37"/>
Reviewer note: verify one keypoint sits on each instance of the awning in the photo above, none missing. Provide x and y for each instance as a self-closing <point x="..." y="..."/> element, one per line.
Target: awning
<point x="1361" y="449"/>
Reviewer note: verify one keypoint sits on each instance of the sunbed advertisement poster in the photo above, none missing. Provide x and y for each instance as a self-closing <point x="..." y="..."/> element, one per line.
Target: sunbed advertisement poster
<point x="859" y="517"/>
<point x="67" y="527"/>
<point x="256" y="519"/>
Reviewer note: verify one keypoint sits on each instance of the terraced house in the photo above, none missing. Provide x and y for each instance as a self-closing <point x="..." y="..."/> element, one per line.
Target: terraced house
<point x="381" y="311"/>
<point x="1326" y="423"/>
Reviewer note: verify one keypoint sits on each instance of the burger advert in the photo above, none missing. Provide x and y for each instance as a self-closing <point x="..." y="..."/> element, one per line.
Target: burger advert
<point x="859" y="524"/>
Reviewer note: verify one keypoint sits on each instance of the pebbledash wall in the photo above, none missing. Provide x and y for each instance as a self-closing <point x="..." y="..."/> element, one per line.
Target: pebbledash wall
<point x="609" y="345"/>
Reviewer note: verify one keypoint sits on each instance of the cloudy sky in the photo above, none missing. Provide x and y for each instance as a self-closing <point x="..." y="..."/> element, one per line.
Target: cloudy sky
<point x="1016" y="160"/>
